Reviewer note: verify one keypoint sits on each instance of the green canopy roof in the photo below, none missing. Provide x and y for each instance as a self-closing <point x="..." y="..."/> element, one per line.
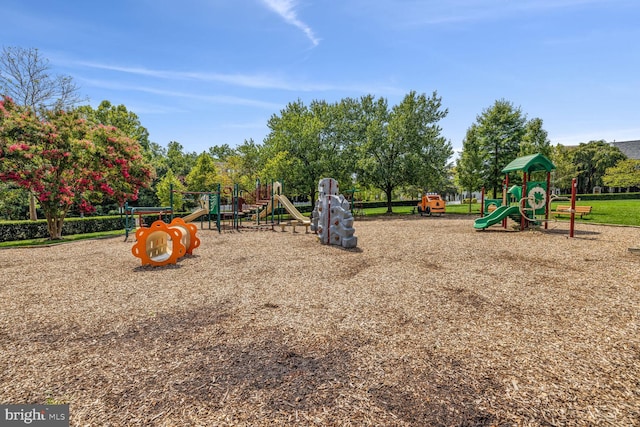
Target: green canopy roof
<point x="531" y="163"/>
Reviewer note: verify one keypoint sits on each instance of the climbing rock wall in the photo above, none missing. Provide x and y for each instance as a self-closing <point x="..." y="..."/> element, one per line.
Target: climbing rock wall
<point x="331" y="218"/>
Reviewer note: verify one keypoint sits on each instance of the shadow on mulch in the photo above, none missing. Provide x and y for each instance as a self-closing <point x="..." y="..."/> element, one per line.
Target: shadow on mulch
<point x="203" y="358"/>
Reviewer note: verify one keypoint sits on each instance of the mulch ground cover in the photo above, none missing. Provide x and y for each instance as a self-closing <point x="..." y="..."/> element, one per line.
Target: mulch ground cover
<point x="428" y="322"/>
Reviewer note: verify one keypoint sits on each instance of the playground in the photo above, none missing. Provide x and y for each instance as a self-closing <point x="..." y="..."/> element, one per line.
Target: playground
<point x="424" y="323"/>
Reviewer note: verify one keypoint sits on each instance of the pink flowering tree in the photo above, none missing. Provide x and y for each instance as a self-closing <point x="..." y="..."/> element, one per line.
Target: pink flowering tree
<point x="64" y="161"/>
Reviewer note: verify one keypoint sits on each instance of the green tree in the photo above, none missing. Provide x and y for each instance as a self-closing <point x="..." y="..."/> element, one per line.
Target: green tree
<point x="297" y="130"/>
<point x="118" y="116"/>
<point x="203" y="176"/>
<point x="156" y="155"/>
<point x="163" y="191"/>
<point x="13" y="201"/>
<point x="403" y="146"/>
<point x="277" y="166"/>
<point x="179" y="161"/>
<point x="625" y="174"/>
<point x="64" y="160"/>
<point x="566" y="169"/>
<point x="470" y="163"/>
<point x="336" y="139"/>
<point x="501" y="128"/>
<point x="377" y="156"/>
<point x="221" y="152"/>
<point x="244" y="166"/>
<point x="592" y="160"/>
<point x="535" y="140"/>
<point x="129" y="123"/>
<point x="415" y="120"/>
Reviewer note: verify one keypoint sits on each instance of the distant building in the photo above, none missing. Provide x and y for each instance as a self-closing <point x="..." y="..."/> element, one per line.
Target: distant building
<point x="631" y="149"/>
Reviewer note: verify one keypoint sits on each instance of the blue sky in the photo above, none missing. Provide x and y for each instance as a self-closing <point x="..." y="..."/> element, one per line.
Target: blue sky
<point x="210" y="72"/>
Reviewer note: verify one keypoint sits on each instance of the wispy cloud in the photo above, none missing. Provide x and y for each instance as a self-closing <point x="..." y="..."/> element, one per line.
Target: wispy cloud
<point x="285" y="8"/>
<point x="216" y="99"/>
<point x="255" y="81"/>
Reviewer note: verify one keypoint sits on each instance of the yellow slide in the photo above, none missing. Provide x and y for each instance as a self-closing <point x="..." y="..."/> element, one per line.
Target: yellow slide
<point x="195" y="215"/>
<point x="286" y="203"/>
<point x="292" y="209"/>
<point x="266" y="211"/>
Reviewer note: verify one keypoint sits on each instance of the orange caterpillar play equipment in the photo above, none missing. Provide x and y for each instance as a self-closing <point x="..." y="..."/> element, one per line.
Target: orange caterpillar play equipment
<point x="162" y="243"/>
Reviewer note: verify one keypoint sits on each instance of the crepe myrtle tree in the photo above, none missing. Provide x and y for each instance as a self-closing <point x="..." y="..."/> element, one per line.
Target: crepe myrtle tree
<point x="65" y="161"/>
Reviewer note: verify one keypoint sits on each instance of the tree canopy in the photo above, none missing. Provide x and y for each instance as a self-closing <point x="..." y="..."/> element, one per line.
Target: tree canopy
<point x="500" y="128"/>
<point x="126" y="121"/>
<point x="302" y="132"/>
<point x="402" y="146"/>
<point x="625" y="174"/>
<point x="500" y="134"/>
<point x="65" y="160"/>
<point x="535" y="139"/>
<point x="26" y="78"/>
<point x="203" y="176"/>
<point x="565" y="170"/>
<point x="592" y="160"/>
<point x="470" y="164"/>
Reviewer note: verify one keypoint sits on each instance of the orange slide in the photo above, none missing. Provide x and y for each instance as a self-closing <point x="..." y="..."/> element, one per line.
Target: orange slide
<point x="162" y="243"/>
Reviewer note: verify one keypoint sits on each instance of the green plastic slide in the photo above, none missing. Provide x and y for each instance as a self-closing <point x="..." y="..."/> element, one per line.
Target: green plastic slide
<point x="496" y="216"/>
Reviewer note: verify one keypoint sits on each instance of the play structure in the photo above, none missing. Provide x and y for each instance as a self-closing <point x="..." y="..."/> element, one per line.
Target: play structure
<point x="162" y="244"/>
<point x="431" y="203"/>
<point x="331" y="218"/>
<point x="134" y="216"/>
<point x="269" y="205"/>
<point x="208" y="209"/>
<point x="357" y="204"/>
<point x="527" y="205"/>
<point x="531" y="199"/>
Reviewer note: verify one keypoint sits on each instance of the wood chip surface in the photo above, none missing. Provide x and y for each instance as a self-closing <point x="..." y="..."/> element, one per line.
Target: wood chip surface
<point x="427" y="323"/>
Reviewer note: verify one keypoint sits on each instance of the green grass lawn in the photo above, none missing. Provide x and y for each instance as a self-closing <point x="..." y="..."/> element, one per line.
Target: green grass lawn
<point x="65" y="239"/>
<point x="618" y="212"/>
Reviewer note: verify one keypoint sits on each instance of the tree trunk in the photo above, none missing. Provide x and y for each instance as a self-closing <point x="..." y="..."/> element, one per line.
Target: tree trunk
<point x="388" y="192"/>
<point x="33" y="214"/>
<point x="470" y="194"/>
<point x="54" y="225"/>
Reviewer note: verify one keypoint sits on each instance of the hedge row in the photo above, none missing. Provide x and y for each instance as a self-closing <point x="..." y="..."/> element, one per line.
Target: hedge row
<point x="25" y="230"/>
<point x="607" y="196"/>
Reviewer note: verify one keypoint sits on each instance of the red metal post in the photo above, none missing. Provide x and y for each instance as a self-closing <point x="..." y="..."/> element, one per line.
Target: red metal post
<point x="547" y="206"/>
<point x="574" y="186"/>
<point x="523" y="196"/>
<point x="328" y="213"/>
<point x="505" y="196"/>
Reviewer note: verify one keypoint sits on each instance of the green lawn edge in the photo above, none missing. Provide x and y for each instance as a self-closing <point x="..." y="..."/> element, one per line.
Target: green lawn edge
<point x="604" y="212"/>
